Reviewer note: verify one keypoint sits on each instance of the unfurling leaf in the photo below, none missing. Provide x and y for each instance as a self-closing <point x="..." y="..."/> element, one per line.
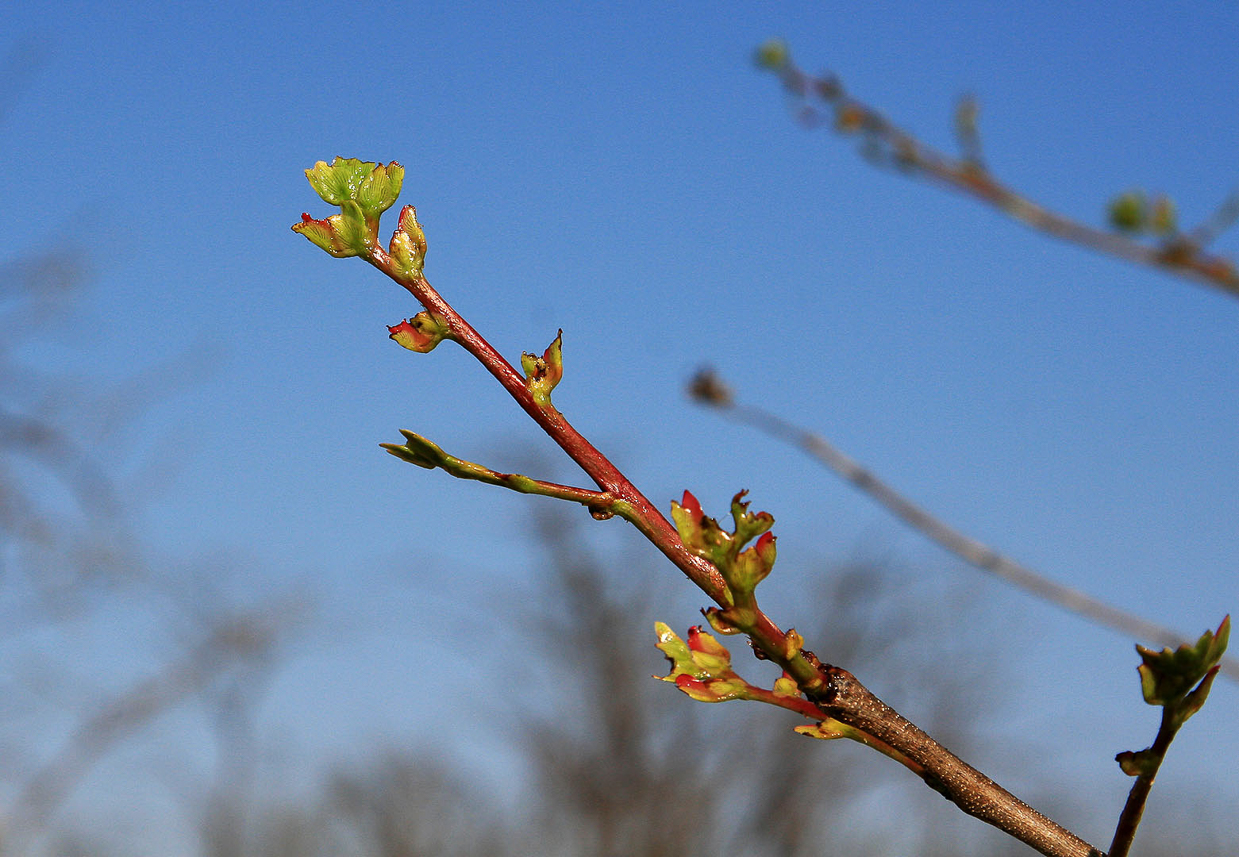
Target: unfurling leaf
<point x="341" y="235"/>
<point x="363" y="190"/>
<point x="1168" y="676"/>
<point x="421" y="333"/>
<point x="374" y="187"/>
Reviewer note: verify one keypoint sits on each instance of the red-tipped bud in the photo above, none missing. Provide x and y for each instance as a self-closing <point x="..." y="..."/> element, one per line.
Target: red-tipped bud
<point x="766" y="550"/>
<point x="691" y="504"/>
<point x="688" y="519"/>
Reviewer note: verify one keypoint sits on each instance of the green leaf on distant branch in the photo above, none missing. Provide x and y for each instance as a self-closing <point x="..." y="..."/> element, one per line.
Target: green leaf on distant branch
<point x="1169" y="676"/>
<point x="1129" y="211"/>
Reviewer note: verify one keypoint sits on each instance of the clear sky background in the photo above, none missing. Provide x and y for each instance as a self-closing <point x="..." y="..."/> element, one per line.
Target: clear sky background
<point x="624" y="172"/>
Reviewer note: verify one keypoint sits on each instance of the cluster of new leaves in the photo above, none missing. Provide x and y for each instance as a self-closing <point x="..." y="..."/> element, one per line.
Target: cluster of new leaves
<point x="742" y="568"/>
<point x="363" y="191"/>
<point x="701" y="668"/>
<point x="1179" y="681"/>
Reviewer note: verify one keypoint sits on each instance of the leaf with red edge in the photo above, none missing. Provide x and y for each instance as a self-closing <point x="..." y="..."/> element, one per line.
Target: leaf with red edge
<point x="421" y="333"/>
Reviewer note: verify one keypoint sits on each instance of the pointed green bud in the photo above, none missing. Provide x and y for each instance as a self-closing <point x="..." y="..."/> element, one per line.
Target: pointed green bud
<point x="1196" y="699"/>
<point x="417" y="450"/>
<point x="688" y="516"/>
<point x="543" y="373"/>
<point x="752" y="565"/>
<point x="408" y="244"/>
<point x="421" y="333"/>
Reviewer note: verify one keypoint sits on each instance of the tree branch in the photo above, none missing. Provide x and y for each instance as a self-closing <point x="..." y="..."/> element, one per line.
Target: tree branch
<point x="363" y="191"/>
<point x="1182" y="254"/>
<point x="706" y="388"/>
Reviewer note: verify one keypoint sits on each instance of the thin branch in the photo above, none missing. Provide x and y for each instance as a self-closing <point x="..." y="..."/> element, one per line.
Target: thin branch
<point x="1133" y="808"/>
<point x="707" y="389"/>
<point x="238" y="638"/>
<point x="1180" y="254"/>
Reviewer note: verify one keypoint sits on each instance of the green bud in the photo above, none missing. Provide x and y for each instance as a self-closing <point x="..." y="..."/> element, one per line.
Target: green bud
<point x="1129" y="211"/>
<point x="408" y="244"/>
<point x="543" y="373"/>
<point x="772" y="55"/>
<point x="1136" y="764"/>
<point x="417" y="450"/>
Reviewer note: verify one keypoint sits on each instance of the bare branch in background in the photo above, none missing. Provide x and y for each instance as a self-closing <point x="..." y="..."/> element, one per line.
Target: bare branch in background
<point x="708" y="389"/>
<point x="823" y="100"/>
<point x="240" y="639"/>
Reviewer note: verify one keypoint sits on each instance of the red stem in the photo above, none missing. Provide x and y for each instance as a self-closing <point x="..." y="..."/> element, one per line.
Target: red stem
<point x="645" y="516"/>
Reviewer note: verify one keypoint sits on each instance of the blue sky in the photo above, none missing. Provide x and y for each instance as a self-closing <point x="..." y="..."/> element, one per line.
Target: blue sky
<point x="624" y="173"/>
